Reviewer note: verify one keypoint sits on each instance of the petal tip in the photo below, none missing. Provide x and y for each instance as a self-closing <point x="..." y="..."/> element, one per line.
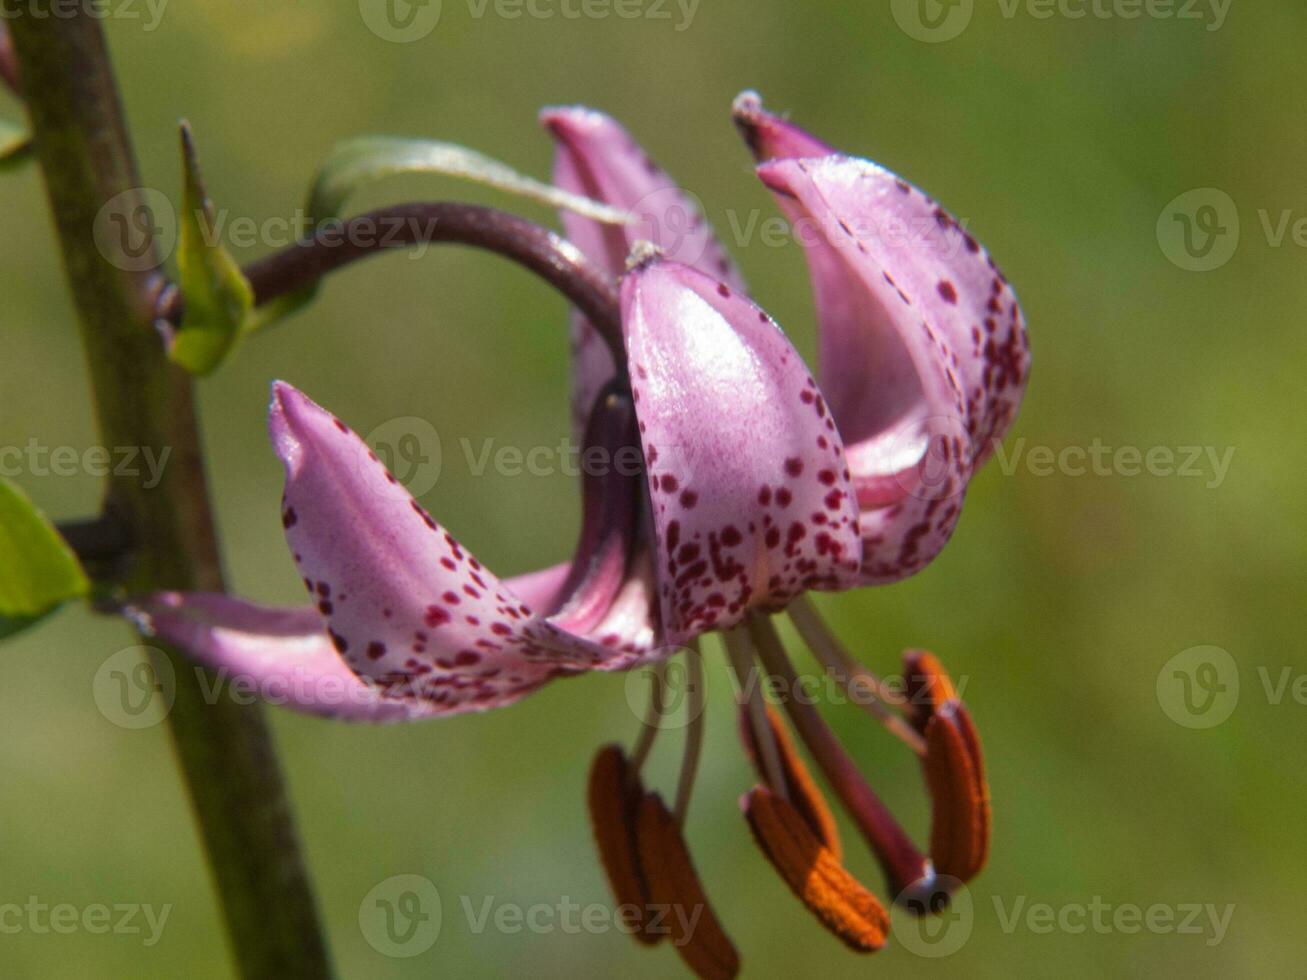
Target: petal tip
<point x="770" y="136"/>
<point x="746" y="107"/>
<point x="571" y="121"/>
<point x="289" y="415"/>
<point x="278" y="423"/>
<point x="283" y="392"/>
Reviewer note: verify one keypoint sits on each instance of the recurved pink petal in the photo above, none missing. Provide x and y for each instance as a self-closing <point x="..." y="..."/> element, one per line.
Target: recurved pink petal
<point x="751" y="495"/>
<point x="597" y="158"/>
<point x="923" y="346"/>
<point x="881" y="225"/>
<point x="405" y="604"/>
<point x="283" y="655"/>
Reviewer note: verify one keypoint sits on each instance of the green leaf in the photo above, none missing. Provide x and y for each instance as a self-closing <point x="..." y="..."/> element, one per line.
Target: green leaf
<point x="38" y="571"/>
<point x="15" y="145"/>
<point x="363" y="160"/>
<point x="366" y="159"/>
<point x="218" y="298"/>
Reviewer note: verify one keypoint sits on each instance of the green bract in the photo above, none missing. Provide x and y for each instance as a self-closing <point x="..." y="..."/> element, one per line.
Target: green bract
<point x="38" y="572"/>
<point x="218" y="298"/>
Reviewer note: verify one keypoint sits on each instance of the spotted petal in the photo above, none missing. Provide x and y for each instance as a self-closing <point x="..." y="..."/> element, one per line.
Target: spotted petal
<point x="923" y="345"/>
<point x="409" y="611"/>
<point x="597" y="158"/>
<point x="283" y="654"/>
<point x="751" y="496"/>
<point x="286" y="656"/>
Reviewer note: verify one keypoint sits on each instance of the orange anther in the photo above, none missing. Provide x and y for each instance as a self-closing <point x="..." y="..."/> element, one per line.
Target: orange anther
<point x="678" y="897"/>
<point x="955" y="776"/>
<point x="614" y="799"/>
<point x="799" y="787"/>
<point x="814" y="873"/>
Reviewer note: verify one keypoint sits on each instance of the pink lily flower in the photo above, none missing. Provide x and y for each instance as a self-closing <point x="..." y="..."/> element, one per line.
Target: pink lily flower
<point x="758" y="484"/>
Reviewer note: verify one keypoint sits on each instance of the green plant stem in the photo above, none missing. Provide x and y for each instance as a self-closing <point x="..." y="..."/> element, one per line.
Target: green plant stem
<point x="224" y="749"/>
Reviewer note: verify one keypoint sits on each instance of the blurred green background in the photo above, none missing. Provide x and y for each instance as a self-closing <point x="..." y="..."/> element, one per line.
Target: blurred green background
<point x="1061" y="141"/>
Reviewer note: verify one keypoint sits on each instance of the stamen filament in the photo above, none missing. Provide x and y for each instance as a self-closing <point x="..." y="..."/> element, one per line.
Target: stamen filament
<point x="652" y="721"/>
<point x="898" y="856"/>
<point x="740" y="650"/>
<point x="694" y="711"/>
<point x="836" y="658"/>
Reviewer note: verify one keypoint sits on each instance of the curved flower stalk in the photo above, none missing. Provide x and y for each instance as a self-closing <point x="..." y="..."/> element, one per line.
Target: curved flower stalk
<point x="753" y="483"/>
